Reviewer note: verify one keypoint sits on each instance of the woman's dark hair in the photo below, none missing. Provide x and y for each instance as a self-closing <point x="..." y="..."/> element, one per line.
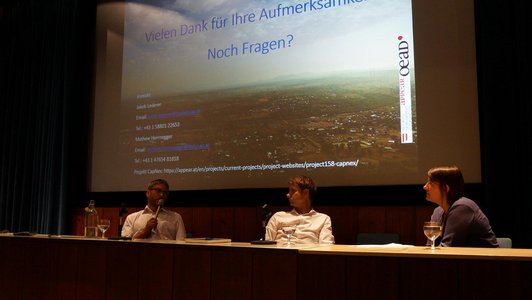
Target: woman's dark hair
<point x="450" y="176"/>
<point x="305" y="182"/>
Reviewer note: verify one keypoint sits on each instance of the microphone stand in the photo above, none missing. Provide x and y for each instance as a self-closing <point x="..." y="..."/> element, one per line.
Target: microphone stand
<point x="121" y="213"/>
<point x="266" y="214"/>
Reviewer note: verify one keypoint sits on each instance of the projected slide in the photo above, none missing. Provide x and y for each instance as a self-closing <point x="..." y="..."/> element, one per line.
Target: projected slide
<point x="231" y="94"/>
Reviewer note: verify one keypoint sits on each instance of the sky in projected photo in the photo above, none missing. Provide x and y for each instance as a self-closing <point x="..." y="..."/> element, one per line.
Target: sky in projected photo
<point x="183" y="46"/>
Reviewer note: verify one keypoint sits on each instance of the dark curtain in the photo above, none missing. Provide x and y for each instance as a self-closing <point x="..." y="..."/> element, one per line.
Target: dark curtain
<point x="44" y="71"/>
<point x="503" y="56"/>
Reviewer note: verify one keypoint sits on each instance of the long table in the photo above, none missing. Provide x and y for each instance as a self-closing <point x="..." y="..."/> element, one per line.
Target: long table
<point x="71" y="267"/>
<point x="404" y="272"/>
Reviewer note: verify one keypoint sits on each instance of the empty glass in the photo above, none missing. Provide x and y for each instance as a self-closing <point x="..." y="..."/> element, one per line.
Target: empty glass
<point x="103" y="225"/>
<point x="289" y="231"/>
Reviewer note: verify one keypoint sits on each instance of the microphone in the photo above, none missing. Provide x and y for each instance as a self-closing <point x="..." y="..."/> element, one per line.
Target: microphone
<point x="159" y="205"/>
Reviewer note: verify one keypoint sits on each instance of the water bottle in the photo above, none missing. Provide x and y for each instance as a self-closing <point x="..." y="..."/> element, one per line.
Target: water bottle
<point x="91" y="220"/>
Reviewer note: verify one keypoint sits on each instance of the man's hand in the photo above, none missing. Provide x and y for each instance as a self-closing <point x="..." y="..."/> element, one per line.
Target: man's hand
<point x="146" y="231"/>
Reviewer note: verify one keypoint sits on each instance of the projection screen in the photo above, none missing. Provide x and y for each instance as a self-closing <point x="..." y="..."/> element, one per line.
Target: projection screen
<point x="244" y="94"/>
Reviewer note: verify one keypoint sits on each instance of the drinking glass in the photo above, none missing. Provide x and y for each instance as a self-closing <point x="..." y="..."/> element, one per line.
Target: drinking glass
<point x="103" y="225"/>
<point x="432" y="230"/>
<point x="289" y="231"/>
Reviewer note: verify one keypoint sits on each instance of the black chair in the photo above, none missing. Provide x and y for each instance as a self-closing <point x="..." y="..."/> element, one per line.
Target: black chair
<point x="377" y="238"/>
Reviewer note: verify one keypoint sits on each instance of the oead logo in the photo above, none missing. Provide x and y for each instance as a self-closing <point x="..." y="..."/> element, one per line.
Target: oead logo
<point x="405" y="97"/>
<point x="404" y="55"/>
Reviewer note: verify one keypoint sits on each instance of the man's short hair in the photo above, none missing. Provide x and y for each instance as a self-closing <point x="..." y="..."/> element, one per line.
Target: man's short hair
<point x="305" y="182"/>
<point x="158" y="181"/>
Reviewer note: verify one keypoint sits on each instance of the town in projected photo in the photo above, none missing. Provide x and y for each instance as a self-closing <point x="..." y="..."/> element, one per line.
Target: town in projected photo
<point x="290" y="125"/>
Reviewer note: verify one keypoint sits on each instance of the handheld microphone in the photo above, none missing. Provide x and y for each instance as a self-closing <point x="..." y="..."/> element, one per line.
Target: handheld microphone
<point x="159" y="205"/>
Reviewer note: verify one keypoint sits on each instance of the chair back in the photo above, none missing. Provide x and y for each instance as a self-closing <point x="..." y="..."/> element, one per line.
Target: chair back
<point x="504" y="242"/>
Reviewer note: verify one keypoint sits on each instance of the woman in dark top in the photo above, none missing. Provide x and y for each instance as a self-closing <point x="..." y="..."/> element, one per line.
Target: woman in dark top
<point x="464" y="223"/>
